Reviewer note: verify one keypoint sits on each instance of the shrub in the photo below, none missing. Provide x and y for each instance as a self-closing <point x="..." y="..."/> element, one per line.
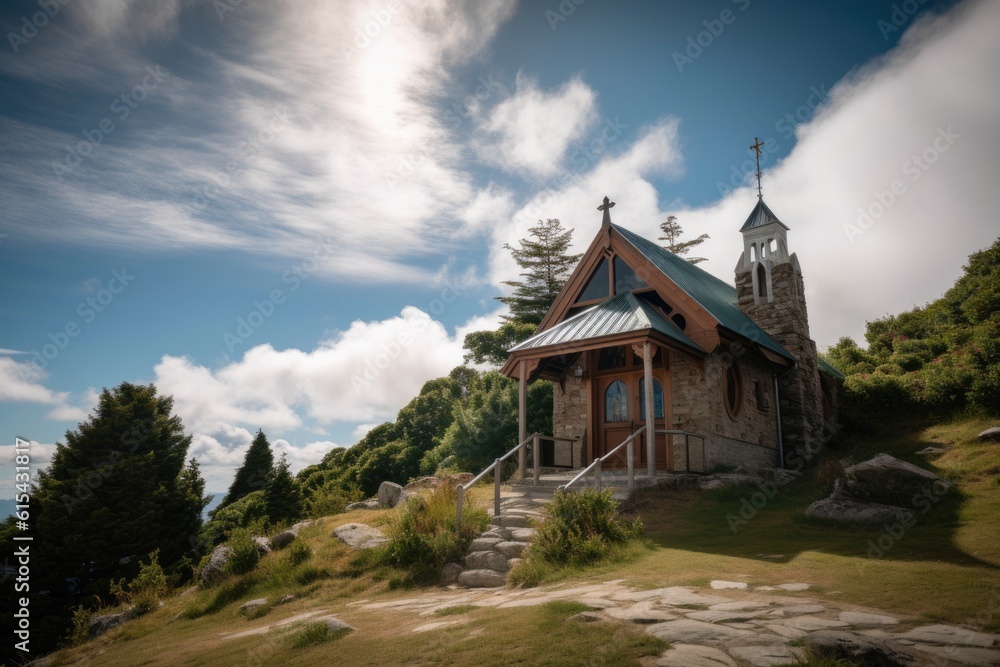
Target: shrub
<point x="582" y="528"/>
<point x="314" y="633"/>
<point x="332" y="499"/>
<point x="80" y="632"/>
<point x="424" y="537"/>
<point x="298" y="553"/>
<point x="246" y="552"/>
<point x="146" y="590"/>
<point x="246" y="511"/>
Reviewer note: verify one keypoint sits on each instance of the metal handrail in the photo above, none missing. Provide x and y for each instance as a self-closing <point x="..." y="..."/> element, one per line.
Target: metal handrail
<point x="495" y="467"/>
<point x="687" y="446"/>
<point x="596" y="465"/>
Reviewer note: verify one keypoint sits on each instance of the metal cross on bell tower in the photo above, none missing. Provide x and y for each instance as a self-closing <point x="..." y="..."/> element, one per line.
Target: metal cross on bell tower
<point x="756" y="149"/>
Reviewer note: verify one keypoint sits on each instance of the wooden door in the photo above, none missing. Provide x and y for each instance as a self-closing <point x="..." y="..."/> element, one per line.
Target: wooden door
<point x="620" y="403"/>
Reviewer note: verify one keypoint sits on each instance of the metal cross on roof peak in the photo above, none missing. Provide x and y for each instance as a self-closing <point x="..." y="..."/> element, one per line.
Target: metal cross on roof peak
<point x="606" y="207"/>
<point x="756" y="149"/>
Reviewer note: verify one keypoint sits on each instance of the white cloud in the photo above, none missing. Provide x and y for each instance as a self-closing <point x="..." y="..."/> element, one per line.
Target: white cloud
<point x="40" y="455"/>
<point x="940" y="77"/>
<point x="367" y="154"/>
<point x="363" y="374"/>
<point x="21" y="382"/>
<point x="532" y="130"/>
<point x="623" y="172"/>
<point x="361" y="430"/>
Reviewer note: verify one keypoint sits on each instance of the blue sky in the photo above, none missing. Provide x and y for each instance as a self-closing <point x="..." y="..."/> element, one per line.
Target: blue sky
<point x="287" y="214"/>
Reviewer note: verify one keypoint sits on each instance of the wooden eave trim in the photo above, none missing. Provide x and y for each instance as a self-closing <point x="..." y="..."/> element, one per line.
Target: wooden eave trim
<point x="567" y="295"/>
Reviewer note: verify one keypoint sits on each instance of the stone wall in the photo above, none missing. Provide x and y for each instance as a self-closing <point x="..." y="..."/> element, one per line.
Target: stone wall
<point x="569" y="415"/>
<point x="698" y="399"/>
<point x="785" y="319"/>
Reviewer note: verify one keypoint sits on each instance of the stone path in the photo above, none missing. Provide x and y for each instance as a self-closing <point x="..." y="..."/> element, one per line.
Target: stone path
<point x="728" y="626"/>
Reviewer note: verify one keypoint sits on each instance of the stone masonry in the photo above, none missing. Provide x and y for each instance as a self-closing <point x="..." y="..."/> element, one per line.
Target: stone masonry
<point x="785" y="319"/>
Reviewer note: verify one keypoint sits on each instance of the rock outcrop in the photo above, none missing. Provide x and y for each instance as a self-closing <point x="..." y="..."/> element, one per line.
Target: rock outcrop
<point x="878" y="491"/>
<point x="360" y="536"/>
<point x="214" y="570"/>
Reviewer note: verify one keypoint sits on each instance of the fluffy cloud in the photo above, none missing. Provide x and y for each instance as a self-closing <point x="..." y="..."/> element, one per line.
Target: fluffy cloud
<point x="41" y="455"/>
<point x="906" y="119"/>
<point x="532" y="130"/>
<point x="282" y="116"/>
<point x="22" y="382"/>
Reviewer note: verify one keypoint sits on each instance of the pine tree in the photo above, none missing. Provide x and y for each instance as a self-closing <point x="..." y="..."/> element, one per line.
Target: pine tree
<point x="114" y="493"/>
<point x="545" y="269"/>
<point x="254" y="473"/>
<point x="281" y="495"/>
<point x="672" y="233"/>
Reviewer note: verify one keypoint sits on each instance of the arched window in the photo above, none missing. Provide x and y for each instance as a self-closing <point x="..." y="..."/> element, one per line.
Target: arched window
<point x="657" y="399"/>
<point x="679" y="320"/>
<point x="616" y="402"/>
<point x="753" y="252"/>
<point x="732" y="386"/>
<point x="761" y="281"/>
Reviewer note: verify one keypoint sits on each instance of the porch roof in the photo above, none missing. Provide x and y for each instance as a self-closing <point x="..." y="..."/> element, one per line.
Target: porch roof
<point x="621" y="314"/>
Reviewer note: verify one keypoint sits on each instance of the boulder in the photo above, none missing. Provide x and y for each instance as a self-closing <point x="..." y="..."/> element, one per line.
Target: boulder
<point x="513" y="562"/>
<point x="484" y="543"/>
<point x="299" y="526"/>
<point x="335" y="624"/>
<point x="990" y="435"/>
<point x="450" y="572"/>
<point x="511" y="521"/>
<point x="390" y="494"/>
<point x="214" y="572"/>
<point x="841" y="508"/>
<point x="263" y="544"/>
<point x="371" y="504"/>
<point x="101" y="624"/>
<point x="360" y="536"/>
<point x="522" y="534"/>
<point x="510" y="549"/>
<point x="252" y="605"/>
<point x="486" y="560"/>
<point x="482" y="579"/>
<point x="460" y="478"/>
<point x="885" y="479"/>
<point x="282" y="539"/>
<point x="693" y="655"/>
<point x="874" y="651"/>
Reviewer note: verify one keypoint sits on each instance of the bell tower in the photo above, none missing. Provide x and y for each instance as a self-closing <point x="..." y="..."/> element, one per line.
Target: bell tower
<point x="771" y="293"/>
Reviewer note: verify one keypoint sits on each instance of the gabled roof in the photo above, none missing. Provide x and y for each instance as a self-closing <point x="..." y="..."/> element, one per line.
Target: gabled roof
<point x="623" y="313"/>
<point x="718" y="298"/>
<point x="827" y="368"/>
<point x="760" y="216"/>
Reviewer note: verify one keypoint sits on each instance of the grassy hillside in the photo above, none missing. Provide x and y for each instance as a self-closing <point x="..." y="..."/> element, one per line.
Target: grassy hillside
<point x="945" y="568"/>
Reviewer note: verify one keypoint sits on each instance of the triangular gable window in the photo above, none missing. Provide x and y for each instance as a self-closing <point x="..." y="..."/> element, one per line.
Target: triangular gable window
<point x="597" y="286"/>
<point x="626" y="279"/>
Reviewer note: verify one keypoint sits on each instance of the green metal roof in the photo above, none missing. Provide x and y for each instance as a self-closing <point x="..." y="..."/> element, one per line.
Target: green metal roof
<point x="619" y="314"/>
<point x="715" y="296"/>
<point x="761" y="216"/>
<point x="829" y="369"/>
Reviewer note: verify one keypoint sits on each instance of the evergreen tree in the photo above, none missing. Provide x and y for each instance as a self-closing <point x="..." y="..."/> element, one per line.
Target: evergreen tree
<point x="281" y="495"/>
<point x="253" y="474"/>
<point x="115" y="492"/>
<point x="672" y="233"/>
<point x="545" y="269"/>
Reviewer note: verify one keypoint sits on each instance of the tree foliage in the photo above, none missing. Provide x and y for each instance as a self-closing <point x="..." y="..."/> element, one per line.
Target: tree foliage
<point x="942" y="357"/>
<point x="117" y="490"/>
<point x="672" y="232"/>
<point x="491" y="346"/>
<point x="545" y="267"/>
<point x="253" y="474"/>
<point x="282" y="500"/>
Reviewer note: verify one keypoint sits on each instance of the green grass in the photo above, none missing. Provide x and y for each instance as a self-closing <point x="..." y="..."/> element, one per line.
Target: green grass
<point x="946" y="568"/>
<point x="312" y="634"/>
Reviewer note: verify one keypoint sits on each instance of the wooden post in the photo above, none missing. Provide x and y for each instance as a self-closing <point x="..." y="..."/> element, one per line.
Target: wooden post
<point x="647" y="366"/>
<point x="537" y="456"/>
<point x="522" y="417"/>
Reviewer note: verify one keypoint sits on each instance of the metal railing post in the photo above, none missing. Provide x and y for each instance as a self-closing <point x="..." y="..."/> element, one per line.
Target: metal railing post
<point x="458" y="515"/>
<point x="537" y="456"/>
<point x="597" y="476"/>
<point x="496" y="488"/>
<point x="631" y="465"/>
